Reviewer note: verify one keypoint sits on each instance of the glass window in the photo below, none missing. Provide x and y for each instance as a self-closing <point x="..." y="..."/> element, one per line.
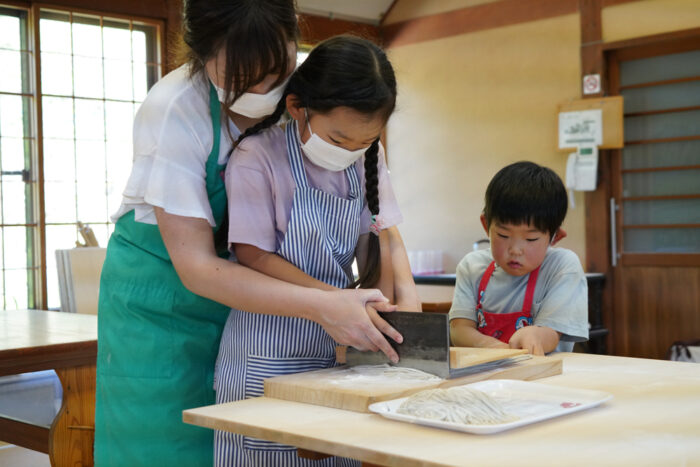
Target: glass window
<point x="18" y="227"/>
<point x="660" y="162"/>
<point x="661" y="68"/>
<point x="95" y="71"/>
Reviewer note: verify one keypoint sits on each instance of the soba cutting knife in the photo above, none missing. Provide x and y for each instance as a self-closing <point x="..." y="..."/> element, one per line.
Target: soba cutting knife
<point x="425" y="346"/>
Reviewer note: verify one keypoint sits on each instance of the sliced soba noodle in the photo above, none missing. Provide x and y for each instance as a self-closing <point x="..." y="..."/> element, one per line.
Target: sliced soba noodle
<point x="378" y="376"/>
<point x="394" y="372"/>
<point x="458" y="404"/>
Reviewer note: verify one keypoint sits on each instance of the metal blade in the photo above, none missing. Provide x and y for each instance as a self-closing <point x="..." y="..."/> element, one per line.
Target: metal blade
<point x="425" y="346"/>
<point x="503" y="363"/>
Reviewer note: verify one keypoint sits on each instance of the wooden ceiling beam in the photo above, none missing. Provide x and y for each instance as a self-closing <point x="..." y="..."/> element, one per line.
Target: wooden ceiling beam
<point x="314" y="29"/>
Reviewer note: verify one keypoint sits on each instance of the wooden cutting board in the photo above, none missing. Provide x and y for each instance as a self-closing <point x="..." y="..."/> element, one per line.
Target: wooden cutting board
<point x="461" y="357"/>
<point x="340" y="388"/>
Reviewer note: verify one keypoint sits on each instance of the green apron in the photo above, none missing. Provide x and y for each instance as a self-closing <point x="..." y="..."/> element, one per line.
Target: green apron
<point x="157" y="344"/>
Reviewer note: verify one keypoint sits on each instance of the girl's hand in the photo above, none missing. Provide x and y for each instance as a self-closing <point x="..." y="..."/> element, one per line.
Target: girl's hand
<point x="380" y="323"/>
<point x="350" y="317"/>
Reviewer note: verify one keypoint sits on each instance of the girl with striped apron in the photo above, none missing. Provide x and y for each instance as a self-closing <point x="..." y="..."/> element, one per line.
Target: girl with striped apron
<point x="321" y="237"/>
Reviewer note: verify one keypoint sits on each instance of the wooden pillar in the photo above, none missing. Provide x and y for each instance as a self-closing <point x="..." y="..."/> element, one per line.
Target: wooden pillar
<point x="172" y="36"/>
<point x="597" y="202"/>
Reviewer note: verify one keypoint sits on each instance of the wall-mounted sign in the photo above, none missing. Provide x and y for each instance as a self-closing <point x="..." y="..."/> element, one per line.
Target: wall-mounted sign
<point x="591" y="84"/>
<point x="582" y="127"/>
<point x="612" y="133"/>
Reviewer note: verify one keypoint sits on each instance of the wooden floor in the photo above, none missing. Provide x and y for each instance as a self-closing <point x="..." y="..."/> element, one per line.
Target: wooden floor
<point x="16" y="456"/>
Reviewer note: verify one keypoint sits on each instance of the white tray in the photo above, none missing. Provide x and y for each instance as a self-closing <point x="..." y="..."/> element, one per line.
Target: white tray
<point x="531" y="402"/>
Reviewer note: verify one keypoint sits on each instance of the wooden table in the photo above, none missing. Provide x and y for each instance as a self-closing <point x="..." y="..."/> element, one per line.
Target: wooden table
<point x="33" y="340"/>
<point x="653" y="419"/>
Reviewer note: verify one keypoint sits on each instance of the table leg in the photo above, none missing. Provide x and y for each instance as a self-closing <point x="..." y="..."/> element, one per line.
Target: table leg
<point x="72" y="433"/>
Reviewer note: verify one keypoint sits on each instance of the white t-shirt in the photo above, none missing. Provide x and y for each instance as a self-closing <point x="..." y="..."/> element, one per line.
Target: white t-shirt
<point x="172" y="140"/>
<point x="560" y="301"/>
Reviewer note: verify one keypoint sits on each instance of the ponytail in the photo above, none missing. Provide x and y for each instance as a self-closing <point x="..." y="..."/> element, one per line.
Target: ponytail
<point x="370" y="275"/>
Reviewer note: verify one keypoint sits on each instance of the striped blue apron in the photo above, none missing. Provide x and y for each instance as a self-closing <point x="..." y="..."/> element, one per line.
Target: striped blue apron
<point x="321" y="238"/>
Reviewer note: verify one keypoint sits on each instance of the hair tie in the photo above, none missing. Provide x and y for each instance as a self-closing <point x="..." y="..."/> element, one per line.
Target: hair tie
<point x="376" y="225"/>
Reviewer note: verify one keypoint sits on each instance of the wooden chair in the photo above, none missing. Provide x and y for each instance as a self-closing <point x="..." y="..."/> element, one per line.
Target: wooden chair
<point x="79" y="272"/>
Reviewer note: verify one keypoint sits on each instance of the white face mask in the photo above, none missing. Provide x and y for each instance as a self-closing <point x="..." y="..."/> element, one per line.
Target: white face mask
<point x="327" y="155"/>
<point x="255" y="105"/>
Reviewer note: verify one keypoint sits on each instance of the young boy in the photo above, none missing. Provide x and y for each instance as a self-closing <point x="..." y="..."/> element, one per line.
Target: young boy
<point x="521" y="293"/>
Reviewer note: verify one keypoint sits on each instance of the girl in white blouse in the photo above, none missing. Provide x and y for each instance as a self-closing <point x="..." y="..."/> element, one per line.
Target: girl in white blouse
<point x="165" y="290"/>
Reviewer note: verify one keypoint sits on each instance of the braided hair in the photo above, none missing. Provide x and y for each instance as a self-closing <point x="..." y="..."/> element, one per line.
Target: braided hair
<point x="370" y="275"/>
<point x="346" y="71"/>
<point x="255" y="35"/>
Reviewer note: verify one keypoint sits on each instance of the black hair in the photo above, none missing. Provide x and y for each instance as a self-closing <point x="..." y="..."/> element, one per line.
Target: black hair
<point x="255" y="34"/>
<point x="524" y="193"/>
<point x="346" y="71"/>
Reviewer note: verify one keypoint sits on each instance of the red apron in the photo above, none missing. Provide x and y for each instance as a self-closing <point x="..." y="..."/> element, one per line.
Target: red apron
<point x="503" y="325"/>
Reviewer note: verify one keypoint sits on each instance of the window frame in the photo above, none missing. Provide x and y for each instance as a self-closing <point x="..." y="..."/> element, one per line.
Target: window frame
<point x="38" y="281"/>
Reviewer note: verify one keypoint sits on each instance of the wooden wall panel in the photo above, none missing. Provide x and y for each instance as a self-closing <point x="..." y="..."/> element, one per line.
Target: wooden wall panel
<point x="317" y="28"/>
<point x="476" y="18"/>
<point x="157" y="9"/>
<point x="658" y="306"/>
<point x="173" y="35"/>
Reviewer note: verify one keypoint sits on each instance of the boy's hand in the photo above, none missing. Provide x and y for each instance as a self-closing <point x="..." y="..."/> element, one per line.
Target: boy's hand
<point x="525" y="338"/>
<point x="537" y="340"/>
<point x="463" y="333"/>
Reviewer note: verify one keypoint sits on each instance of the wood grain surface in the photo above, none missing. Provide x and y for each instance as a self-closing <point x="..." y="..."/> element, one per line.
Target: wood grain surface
<point x="32" y="340"/>
<point x="333" y="387"/>
<point x="461" y="357"/>
<point x="72" y="433"/>
<point x="653" y="419"/>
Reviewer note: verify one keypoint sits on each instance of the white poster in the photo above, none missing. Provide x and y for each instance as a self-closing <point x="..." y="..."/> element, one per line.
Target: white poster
<point x="581" y="128"/>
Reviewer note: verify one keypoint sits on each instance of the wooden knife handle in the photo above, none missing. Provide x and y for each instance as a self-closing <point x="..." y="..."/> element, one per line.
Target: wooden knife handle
<point x="340" y="352"/>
